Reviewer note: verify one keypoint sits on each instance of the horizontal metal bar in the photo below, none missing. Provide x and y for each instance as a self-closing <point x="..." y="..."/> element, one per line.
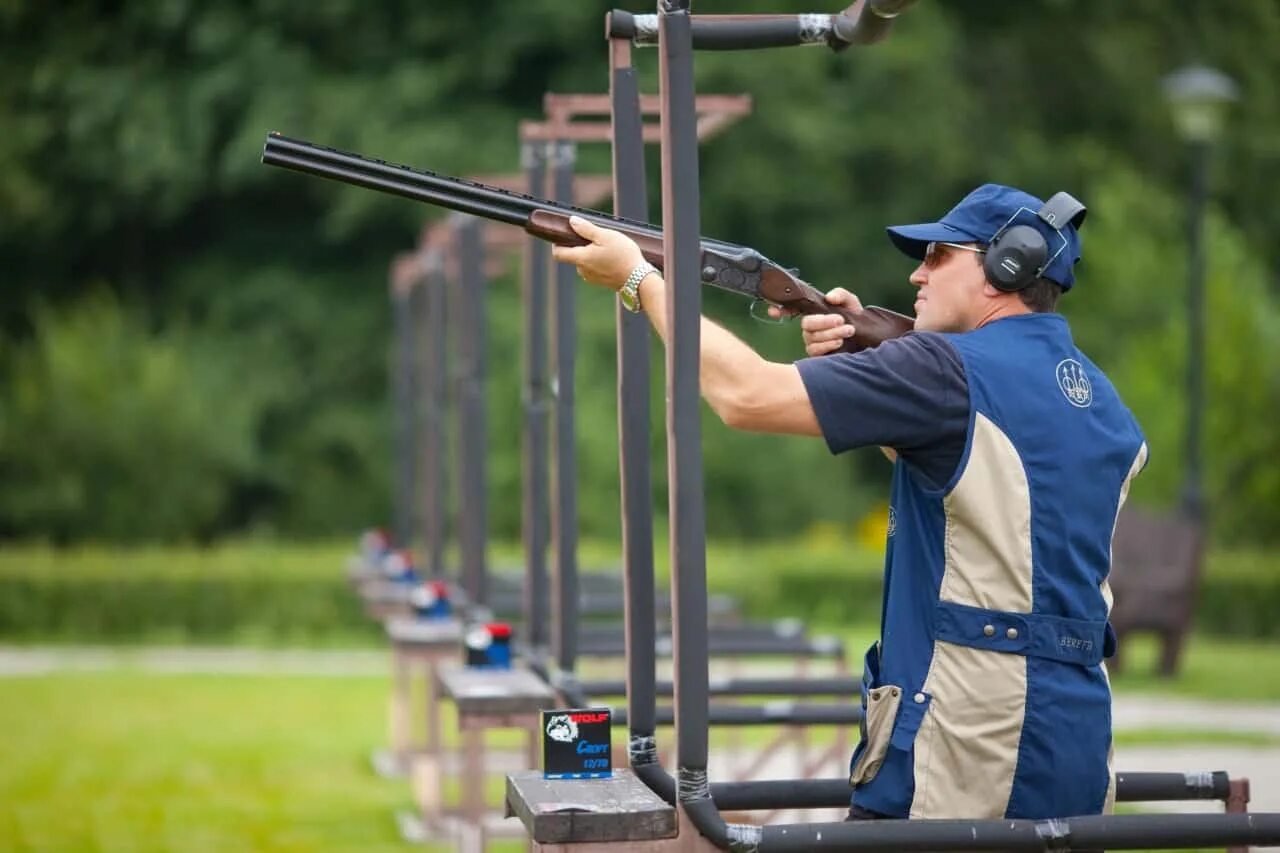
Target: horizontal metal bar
<point x="569" y="106"/>
<point x="769" y="714"/>
<point x="839" y="686"/>
<point x="731" y="32"/>
<point x="1096" y="832"/>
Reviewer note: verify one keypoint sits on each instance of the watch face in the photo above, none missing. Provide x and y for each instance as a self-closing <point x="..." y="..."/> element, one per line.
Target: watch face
<point x="630" y="298"/>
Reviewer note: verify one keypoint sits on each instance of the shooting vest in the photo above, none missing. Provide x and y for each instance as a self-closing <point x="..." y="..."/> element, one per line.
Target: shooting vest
<point x="986" y="696"/>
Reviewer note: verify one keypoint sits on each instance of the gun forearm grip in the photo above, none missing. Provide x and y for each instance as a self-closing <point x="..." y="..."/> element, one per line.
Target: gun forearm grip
<point x="872" y="325"/>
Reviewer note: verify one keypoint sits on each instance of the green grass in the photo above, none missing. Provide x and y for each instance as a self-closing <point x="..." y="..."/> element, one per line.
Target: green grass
<point x="1212" y="668"/>
<point x="1194" y="737"/>
<point x="127" y="761"/>
<point x="140" y="763"/>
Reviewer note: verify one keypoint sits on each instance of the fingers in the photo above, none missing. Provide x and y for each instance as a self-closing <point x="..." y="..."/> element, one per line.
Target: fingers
<point x="824" y="333"/>
<point x="569" y="254"/>
<point x="835" y="333"/>
<point x="844" y="298"/>
<point x="822" y="347"/>
<point x="586" y="228"/>
<point x="820" y="322"/>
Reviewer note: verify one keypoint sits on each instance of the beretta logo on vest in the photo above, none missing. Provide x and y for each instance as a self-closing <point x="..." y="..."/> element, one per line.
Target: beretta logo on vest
<point x="1074" y="383"/>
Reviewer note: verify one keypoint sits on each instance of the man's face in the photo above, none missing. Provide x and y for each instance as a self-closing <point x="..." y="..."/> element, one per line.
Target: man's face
<point x="951" y="288"/>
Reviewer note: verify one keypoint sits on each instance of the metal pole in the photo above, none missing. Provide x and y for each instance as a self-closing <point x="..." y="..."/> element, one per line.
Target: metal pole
<point x="404" y="399"/>
<point x="436" y="402"/>
<point x="680" y="222"/>
<point x="565" y="513"/>
<point x="1193" y="494"/>
<point x="639" y="604"/>
<point x="472" y="434"/>
<point x="537" y="407"/>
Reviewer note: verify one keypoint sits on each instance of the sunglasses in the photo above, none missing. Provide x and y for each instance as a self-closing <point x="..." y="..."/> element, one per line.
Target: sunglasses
<point x="934" y="252"/>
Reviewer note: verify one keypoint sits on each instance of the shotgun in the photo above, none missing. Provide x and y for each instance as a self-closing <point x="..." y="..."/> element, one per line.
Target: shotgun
<point x="725" y="265"/>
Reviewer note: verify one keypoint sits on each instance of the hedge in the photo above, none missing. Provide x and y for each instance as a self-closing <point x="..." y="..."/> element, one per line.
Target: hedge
<point x="281" y="593"/>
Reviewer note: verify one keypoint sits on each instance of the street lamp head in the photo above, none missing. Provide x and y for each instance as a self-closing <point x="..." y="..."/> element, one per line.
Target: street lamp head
<point x="1198" y="96"/>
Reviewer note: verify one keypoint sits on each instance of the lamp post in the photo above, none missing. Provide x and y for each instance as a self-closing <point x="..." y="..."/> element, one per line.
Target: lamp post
<point x="1198" y="97"/>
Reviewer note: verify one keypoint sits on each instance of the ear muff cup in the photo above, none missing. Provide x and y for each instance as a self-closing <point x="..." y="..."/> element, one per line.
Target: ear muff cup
<point x="1014" y="257"/>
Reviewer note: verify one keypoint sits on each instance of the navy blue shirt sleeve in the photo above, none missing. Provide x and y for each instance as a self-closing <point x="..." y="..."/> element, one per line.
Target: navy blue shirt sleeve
<point x="909" y="393"/>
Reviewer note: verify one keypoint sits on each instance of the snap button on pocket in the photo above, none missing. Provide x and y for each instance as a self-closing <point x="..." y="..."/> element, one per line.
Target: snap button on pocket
<point x="1012" y="633"/>
<point x="882" y="712"/>
<point x="988" y="630"/>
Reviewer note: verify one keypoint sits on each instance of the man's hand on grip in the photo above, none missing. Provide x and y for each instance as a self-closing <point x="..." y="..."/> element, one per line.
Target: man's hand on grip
<point x="826" y="333"/>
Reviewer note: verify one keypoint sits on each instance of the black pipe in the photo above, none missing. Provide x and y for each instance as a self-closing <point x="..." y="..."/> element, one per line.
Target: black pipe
<point x="744" y="32"/>
<point x="472" y="431"/>
<point x="680" y="221"/>
<point x="1095" y="832"/>
<point x="509" y="602"/>
<point x="535" y="484"/>
<point x="835" y="793"/>
<point x="782" y="631"/>
<point x="727" y="647"/>
<point x="868" y="21"/>
<point x="865" y="22"/>
<point x="565" y="483"/>
<point x="435" y="403"/>
<point x="834" y="686"/>
<point x="771" y="794"/>
<point x="1192" y="490"/>
<point x="749" y="716"/>
<point x="1154" y="787"/>
<point x="404" y="402"/>
<point x="686" y="505"/>
<point x="630" y="200"/>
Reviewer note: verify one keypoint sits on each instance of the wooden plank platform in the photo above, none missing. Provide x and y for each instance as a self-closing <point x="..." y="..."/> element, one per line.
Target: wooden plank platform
<point x="564" y="811"/>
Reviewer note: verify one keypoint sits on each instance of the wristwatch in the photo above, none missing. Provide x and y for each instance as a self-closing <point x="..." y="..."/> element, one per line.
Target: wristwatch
<point x="629" y="293"/>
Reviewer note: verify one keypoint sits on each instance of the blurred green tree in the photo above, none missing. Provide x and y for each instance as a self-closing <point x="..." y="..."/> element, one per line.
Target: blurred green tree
<point x="130" y="156"/>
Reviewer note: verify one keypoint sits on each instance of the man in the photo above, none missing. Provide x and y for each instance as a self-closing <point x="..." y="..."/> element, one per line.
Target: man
<point x="986" y="695"/>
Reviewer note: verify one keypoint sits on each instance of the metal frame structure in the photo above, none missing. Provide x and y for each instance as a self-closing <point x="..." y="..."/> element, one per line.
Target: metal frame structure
<point x="698" y="811"/>
<point x="714" y="112"/>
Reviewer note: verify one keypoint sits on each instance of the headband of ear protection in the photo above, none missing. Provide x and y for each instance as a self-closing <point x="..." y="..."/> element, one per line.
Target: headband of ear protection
<point x="1018" y="254"/>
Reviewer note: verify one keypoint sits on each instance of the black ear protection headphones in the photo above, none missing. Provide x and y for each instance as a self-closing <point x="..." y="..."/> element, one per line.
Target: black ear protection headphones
<point x="1018" y="254"/>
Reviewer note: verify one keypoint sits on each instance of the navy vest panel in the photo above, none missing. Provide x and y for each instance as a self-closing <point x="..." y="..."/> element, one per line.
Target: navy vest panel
<point x="996" y="601"/>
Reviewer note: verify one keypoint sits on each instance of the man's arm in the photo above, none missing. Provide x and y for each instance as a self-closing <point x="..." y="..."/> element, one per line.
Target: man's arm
<point x="745" y="390"/>
<point x="825" y="333"/>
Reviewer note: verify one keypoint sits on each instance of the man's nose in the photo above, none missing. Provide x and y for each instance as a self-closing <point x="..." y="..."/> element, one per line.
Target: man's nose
<point x="920" y="276"/>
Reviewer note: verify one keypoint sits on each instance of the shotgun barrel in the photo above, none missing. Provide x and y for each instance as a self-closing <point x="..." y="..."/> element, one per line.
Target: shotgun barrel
<point x="728" y="266"/>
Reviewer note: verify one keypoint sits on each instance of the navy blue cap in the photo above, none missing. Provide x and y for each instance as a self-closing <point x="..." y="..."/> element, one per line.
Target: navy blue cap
<point x="981" y="214"/>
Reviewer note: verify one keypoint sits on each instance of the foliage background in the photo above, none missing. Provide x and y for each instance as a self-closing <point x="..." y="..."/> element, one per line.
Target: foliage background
<point x="194" y="346"/>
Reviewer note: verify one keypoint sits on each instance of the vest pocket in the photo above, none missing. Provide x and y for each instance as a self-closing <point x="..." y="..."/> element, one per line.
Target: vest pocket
<point x="881" y="712"/>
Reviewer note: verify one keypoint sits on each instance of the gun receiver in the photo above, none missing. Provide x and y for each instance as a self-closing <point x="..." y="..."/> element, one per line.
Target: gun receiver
<point x="724" y="265"/>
